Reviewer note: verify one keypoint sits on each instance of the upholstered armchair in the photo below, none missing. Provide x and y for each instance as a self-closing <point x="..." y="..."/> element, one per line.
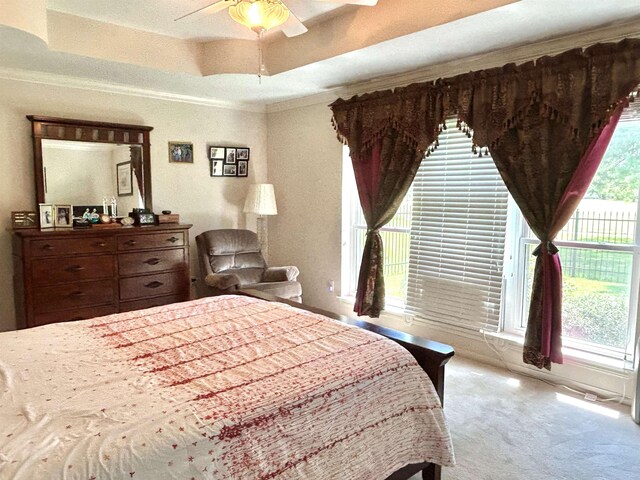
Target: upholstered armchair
<point x="231" y="260"/>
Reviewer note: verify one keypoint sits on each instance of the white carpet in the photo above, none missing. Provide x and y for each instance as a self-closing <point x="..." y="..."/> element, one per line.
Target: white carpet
<point x="510" y="427"/>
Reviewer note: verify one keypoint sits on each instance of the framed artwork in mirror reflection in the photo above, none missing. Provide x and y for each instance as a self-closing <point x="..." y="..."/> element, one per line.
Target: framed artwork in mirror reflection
<point x="124" y="176"/>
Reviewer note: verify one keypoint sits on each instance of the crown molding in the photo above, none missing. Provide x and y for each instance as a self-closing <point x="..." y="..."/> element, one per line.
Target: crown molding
<point x="42" y="78"/>
<point x="497" y="58"/>
<point x="324" y="98"/>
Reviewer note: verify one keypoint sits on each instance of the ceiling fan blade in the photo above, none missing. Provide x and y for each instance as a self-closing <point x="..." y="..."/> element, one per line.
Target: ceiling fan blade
<point x="293" y="26"/>
<point x="369" y="3"/>
<point x="207" y="10"/>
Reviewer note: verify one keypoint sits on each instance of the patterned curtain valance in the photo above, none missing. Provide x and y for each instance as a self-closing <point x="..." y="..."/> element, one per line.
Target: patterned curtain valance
<point x="578" y="88"/>
<point x="414" y="112"/>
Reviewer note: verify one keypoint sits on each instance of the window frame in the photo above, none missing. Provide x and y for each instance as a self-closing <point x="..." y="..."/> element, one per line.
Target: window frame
<point x="515" y="308"/>
<point x="350" y="265"/>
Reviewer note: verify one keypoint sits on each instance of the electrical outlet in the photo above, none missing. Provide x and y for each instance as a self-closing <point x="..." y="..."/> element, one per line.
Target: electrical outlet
<point x="591" y="397"/>
<point x="330" y="285"/>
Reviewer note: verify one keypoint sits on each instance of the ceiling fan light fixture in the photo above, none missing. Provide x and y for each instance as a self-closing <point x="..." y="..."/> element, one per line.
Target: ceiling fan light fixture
<point x="259" y="15"/>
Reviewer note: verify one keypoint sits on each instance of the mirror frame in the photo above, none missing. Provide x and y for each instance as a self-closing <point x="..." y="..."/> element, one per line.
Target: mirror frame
<point x="51" y="128"/>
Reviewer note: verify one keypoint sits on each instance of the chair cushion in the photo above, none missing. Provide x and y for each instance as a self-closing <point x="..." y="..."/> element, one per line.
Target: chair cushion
<point x="279" y="289"/>
<point x="245" y="260"/>
<point x="246" y="275"/>
<point x="231" y="241"/>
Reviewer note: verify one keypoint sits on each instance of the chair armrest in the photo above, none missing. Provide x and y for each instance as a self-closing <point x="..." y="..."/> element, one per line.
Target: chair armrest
<point x="281" y="274"/>
<point x="222" y="281"/>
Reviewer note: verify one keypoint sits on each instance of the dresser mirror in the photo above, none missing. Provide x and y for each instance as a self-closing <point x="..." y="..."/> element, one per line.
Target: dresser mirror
<point x="84" y="163"/>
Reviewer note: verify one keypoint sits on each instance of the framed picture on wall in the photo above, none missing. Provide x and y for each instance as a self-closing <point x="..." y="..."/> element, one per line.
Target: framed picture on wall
<point x="180" y="152"/>
<point x="242" y="153"/>
<point x="216" y="153"/>
<point x="62" y="216"/>
<point x="217" y="167"/>
<point x="243" y="168"/>
<point x="231" y="155"/>
<point x="46" y="215"/>
<point x="228" y="161"/>
<point x="124" y="175"/>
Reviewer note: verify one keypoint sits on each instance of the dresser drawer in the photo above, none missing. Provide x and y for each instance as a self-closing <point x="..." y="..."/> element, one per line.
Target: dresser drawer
<point x="150" y="262"/>
<point x="151" y="302"/>
<point x="71" y="295"/>
<point x="75" y="314"/>
<point x="48" y="271"/>
<point x="152" y="285"/>
<point x="71" y="246"/>
<point x="153" y="240"/>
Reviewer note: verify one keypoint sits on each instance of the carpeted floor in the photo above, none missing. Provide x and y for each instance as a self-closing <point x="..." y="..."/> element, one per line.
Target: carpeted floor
<point x="510" y="427"/>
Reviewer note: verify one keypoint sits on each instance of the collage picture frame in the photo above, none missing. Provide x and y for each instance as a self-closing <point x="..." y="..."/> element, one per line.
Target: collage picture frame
<point x="229" y="161"/>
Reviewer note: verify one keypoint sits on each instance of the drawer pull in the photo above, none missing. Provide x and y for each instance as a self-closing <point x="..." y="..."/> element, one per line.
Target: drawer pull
<point x="77" y="294"/>
<point x="74" y="268"/>
<point x="130" y="243"/>
<point x="101" y="244"/>
<point x="173" y="239"/>
<point x="152" y="261"/>
<point x="47" y="247"/>
<point x="154" y="284"/>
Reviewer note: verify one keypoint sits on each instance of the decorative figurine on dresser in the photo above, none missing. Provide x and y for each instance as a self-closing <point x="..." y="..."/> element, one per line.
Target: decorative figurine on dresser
<point x="73" y="274"/>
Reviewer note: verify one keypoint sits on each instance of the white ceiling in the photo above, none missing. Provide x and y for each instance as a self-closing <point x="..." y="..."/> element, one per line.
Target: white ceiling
<point x="517" y="24"/>
<point x="158" y="16"/>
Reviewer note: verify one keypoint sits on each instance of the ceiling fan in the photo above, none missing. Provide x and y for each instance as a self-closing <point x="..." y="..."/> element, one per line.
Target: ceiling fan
<point x="261" y="15"/>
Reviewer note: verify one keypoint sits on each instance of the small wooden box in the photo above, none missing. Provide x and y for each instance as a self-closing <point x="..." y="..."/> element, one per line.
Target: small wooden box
<point x="171" y="218"/>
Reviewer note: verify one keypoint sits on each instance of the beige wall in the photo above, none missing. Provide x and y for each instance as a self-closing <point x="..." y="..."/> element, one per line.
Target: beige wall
<point x="183" y="188"/>
<point x="305" y="166"/>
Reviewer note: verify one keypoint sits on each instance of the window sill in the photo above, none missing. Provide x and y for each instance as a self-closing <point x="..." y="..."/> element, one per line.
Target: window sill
<point x="572" y="354"/>
<point x="396" y="309"/>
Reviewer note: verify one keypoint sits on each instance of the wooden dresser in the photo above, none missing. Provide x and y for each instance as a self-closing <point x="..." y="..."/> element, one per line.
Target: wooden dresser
<point x="62" y="275"/>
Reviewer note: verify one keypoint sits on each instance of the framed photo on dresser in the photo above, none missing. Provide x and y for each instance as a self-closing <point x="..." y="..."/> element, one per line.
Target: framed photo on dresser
<point x="46" y="215"/>
<point x="62" y="216"/>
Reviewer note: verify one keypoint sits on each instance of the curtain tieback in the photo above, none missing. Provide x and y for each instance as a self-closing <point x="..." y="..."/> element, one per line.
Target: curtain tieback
<point x="372" y="230"/>
<point x="545" y="247"/>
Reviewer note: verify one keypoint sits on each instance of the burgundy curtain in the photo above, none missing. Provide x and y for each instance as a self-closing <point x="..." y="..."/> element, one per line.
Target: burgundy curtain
<point x="547" y="199"/>
<point x="547" y="125"/>
<point x="388" y="134"/>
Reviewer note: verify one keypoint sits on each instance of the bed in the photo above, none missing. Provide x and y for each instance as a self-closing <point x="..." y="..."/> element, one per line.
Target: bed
<point x="227" y="387"/>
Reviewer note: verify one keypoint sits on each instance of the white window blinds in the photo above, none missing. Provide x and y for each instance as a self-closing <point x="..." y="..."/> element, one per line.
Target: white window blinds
<point x="457" y="236"/>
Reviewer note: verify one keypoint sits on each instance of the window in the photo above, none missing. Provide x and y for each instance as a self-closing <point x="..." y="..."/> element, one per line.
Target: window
<point x="599" y="250"/>
<point x="395" y="237"/>
<point x="457" y="236"/>
<point x="444" y="248"/>
<point x="458" y="251"/>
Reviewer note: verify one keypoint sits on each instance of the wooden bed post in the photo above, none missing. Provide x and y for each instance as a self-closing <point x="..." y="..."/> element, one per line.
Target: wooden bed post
<point x="431" y="356"/>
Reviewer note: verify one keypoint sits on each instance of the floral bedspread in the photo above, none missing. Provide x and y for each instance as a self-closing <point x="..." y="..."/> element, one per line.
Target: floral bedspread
<point x="219" y="388"/>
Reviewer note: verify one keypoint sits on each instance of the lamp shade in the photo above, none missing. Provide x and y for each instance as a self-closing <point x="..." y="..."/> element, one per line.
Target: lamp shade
<point x="261" y="200"/>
